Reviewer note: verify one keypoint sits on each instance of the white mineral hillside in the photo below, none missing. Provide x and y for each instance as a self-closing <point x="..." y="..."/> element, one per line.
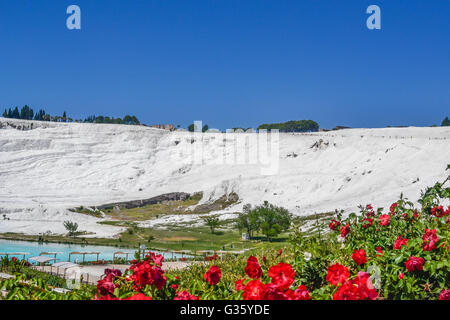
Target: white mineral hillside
<point x="56" y="166"/>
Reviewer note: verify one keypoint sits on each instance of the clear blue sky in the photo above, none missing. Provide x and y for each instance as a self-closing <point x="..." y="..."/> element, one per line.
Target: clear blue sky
<point x="230" y="62"/>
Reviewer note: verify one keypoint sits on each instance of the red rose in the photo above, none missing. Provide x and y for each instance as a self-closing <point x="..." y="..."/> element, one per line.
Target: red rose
<point x="106" y="285"/>
<point x="139" y="296"/>
<point x="438" y="211"/>
<point x="114" y="272"/>
<point x="384" y="219"/>
<point x="365" y="287"/>
<point x="429" y="239"/>
<point x="14" y="259"/>
<point x="393" y="209"/>
<point x="144" y="273"/>
<point x="158" y="259"/>
<point x="239" y="285"/>
<point x="155" y="259"/>
<point x="359" y="289"/>
<point x="273" y="292"/>
<point x="347" y="291"/>
<point x="213" y="275"/>
<point x="282" y="275"/>
<point x="334" y="224"/>
<point x="185" y="295"/>
<point x="337" y="273"/>
<point x="253" y="290"/>
<point x="400" y="242"/>
<point x="445" y="295"/>
<point x="379" y="252"/>
<point x="301" y="293"/>
<point x="345" y="230"/>
<point x="174" y="287"/>
<point x="414" y="263"/>
<point x="401" y="275"/>
<point x="253" y="269"/>
<point x="359" y="257"/>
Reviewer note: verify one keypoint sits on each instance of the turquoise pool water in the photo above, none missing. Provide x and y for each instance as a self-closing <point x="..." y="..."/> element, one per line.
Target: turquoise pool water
<point x="35" y="248"/>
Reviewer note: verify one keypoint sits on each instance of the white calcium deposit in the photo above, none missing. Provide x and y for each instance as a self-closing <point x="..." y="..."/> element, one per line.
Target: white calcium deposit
<point x="46" y="168"/>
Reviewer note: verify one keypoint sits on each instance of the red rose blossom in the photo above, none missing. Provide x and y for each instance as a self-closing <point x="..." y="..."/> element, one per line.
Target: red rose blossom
<point x="447" y="212"/>
<point x="379" y="252"/>
<point x="239" y="285"/>
<point x="146" y="273"/>
<point x="334" y="224"/>
<point x="253" y="290"/>
<point x="414" y="263"/>
<point x="106" y="285"/>
<point x="282" y="275"/>
<point x="400" y="242"/>
<point x="384" y="219"/>
<point x="139" y="296"/>
<point x="114" y="272"/>
<point x="185" y="295"/>
<point x="301" y="293"/>
<point x="445" y="295"/>
<point x="393" y="208"/>
<point x="359" y="289"/>
<point x="401" y="275"/>
<point x="253" y="269"/>
<point x="345" y="230"/>
<point x="359" y="257"/>
<point x="429" y="239"/>
<point x="365" y="287"/>
<point x="438" y="211"/>
<point x="337" y="273"/>
<point x="348" y="291"/>
<point x="213" y="275"/>
<point x="273" y="292"/>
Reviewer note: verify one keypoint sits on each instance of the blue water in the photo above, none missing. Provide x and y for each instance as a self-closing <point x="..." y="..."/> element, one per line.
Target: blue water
<point x="35" y="248"/>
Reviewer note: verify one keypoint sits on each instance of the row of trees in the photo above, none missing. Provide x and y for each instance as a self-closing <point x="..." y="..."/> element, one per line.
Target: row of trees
<point x="27" y="113"/>
<point x="131" y="120"/>
<point x="267" y="218"/>
<point x="292" y="126"/>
